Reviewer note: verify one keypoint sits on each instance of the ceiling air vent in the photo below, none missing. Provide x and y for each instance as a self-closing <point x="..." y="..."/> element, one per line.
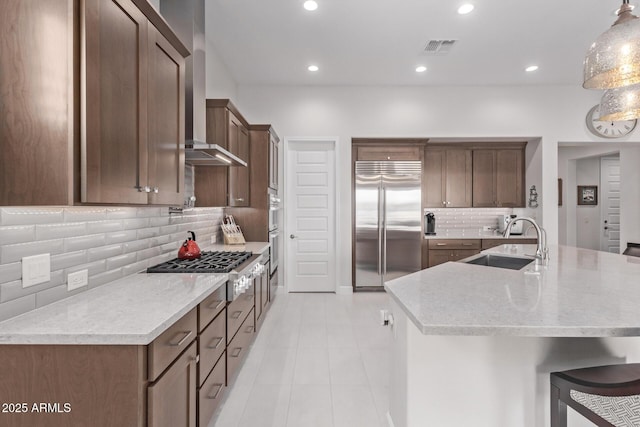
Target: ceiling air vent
<point x="439" y="47"/>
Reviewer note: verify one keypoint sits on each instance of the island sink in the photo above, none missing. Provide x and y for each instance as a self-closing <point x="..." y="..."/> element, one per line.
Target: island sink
<point x="511" y="263"/>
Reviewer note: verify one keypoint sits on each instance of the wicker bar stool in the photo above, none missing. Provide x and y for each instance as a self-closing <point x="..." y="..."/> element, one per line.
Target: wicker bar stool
<point x="608" y="396"/>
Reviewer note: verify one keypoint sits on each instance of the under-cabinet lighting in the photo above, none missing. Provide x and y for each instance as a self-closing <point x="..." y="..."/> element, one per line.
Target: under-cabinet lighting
<point x="224" y="159"/>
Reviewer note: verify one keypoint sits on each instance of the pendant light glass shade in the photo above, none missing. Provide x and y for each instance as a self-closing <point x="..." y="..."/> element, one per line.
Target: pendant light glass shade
<point x="620" y="104"/>
<point x="613" y="60"/>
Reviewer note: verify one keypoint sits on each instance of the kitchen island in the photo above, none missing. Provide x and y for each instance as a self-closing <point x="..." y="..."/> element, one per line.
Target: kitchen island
<point x="474" y="345"/>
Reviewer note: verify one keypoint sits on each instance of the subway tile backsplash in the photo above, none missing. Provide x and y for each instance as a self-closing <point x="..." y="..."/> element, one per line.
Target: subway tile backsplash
<point x="468" y="219"/>
<point x="110" y="242"/>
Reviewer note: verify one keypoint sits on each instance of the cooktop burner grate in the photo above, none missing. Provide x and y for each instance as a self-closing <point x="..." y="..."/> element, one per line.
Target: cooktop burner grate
<point x="209" y="262"/>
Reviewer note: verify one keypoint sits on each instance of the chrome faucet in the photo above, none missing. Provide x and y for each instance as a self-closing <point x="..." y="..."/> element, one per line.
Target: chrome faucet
<point x="542" y="251"/>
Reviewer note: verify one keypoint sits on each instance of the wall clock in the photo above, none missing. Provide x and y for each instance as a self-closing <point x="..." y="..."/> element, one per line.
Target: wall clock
<point x="608" y="129"/>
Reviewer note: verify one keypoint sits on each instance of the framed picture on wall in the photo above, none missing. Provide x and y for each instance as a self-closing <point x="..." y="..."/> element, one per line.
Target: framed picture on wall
<point x="588" y="195"/>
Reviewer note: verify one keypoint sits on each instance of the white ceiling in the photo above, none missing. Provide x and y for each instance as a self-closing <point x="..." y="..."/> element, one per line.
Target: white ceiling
<point x="380" y="42"/>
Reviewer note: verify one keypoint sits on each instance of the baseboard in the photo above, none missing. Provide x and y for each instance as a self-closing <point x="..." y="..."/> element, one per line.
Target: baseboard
<point x="344" y="290"/>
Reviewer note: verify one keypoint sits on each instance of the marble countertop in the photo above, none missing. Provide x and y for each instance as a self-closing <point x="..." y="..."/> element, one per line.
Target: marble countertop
<point x="580" y="293"/>
<point x="133" y="310"/>
<point x="474" y="234"/>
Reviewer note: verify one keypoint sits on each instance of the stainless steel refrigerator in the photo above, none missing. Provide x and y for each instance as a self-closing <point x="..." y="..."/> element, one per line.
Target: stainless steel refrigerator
<point x="387" y="221"/>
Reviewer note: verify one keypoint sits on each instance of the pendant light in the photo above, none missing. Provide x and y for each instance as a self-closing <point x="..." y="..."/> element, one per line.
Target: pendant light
<point x="613" y="60"/>
<point x="620" y="104"/>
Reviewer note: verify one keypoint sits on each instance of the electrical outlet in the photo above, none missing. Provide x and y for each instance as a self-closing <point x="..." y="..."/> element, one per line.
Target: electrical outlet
<point x="77" y="280"/>
<point x="486" y="228"/>
<point x="36" y="269"/>
<point x="214" y="238"/>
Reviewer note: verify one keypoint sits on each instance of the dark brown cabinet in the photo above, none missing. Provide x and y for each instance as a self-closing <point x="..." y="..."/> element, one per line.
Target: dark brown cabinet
<point x="172" y="399"/>
<point x="37" y="136"/>
<point x="225" y="185"/>
<point x="447" y="178"/>
<point x="103" y="122"/>
<point x="132" y="144"/>
<point x="498" y="178"/>
<point x="389" y="152"/>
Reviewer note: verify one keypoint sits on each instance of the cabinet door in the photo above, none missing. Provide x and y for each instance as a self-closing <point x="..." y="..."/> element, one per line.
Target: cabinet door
<point x="36" y="121"/>
<point x="509" y="178"/>
<point x="437" y="257"/>
<point x="166" y="121"/>
<point x="114" y="104"/>
<point x="239" y="175"/>
<point x="433" y="183"/>
<point x="484" y="178"/>
<point x="172" y="399"/>
<point x="388" y="153"/>
<point x="273" y="163"/>
<point x="458" y="180"/>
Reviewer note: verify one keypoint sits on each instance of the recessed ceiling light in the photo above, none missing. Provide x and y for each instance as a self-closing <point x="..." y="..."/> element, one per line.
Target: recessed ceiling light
<point x="421" y="69"/>
<point x="465" y="8"/>
<point x="312" y="68"/>
<point x="531" y="68"/>
<point x="310" y="5"/>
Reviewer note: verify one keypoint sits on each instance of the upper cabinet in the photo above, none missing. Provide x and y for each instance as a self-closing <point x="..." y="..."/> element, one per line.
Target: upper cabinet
<point x="447" y="178"/>
<point x="98" y="102"/>
<point x="226" y="185"/>
<point x="132" y="141"/>
<point x="498" y="178"/>
<point x="37" y="135"/>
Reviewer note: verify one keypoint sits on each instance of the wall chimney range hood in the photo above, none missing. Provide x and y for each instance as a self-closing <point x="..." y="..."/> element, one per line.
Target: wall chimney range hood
<point x="186" y="17"/>
<point x="201" y="154"/>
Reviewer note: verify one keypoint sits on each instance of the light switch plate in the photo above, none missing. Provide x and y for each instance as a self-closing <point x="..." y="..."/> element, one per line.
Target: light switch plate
<point x="36" y="269"/>
<point x="77" y="280"/>
<point x="214" y="238"/>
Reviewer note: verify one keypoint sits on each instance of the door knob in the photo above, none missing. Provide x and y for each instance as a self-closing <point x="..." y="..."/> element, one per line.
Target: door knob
<point x="292" y="236"/>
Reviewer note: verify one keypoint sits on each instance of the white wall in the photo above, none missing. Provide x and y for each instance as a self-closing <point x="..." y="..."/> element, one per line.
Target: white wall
<point x="543" y="114"/>
<point x="220" y="83"/>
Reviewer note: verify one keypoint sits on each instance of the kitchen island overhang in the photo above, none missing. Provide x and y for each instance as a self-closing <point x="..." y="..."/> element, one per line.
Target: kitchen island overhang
<point x="474" y="345"/>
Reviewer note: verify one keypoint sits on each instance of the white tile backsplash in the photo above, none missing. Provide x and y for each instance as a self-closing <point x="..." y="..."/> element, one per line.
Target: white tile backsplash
<point x="111" y="242"/>
<point x="472" y="219"/>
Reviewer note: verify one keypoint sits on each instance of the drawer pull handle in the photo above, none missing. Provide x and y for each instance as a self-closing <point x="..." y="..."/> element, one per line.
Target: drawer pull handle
<point x="236" y="352"/>
<point x="216" y="304"/>
<point x="218" y="341"/>
<point x="236" y="314"/>
<point x="467" y="244"/>
<point x="248" y="329"/>
<point x="441" y="244"/>
<point x="218" y="388"/>
<point x="174" y="343"/>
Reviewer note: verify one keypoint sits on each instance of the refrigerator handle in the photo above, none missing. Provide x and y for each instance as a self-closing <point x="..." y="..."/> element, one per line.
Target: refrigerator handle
<point x="384" y="231"/>
<point x="380" y="230"/>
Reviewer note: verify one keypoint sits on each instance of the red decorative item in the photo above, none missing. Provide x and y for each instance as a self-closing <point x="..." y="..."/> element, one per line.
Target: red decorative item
<point x="189" y="249"/>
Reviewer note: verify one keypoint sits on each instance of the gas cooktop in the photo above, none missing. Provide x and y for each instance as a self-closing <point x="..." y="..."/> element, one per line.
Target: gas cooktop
<point x="209" y="262"/>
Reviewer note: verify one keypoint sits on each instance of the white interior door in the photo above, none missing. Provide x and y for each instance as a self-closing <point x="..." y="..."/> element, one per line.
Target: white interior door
<point x="310" y="216"/>
<point x="610" y="205"/>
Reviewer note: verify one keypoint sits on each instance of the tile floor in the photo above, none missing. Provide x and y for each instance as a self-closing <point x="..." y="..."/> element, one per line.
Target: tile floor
<point x="319" y="360"/>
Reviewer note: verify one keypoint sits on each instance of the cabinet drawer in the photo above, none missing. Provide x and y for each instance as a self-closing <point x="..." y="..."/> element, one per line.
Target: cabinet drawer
<point x="211" y="343"/>
<point x="211" y="306"/>
<point x="164" y="349"/>
<point x="388" y="153"/>
<point x="211" y="392"/>
<point x="492" y="243"/>
<point x="238" y="347"/>
<point x="454" y="244"/>
<point x="238" y="310"/>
